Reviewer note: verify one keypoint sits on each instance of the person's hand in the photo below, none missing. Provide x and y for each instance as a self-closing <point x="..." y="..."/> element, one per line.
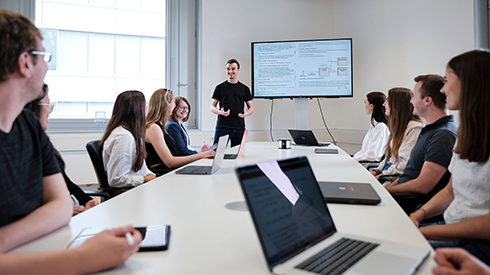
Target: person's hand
<point x="108" y="249"/>
<point x="417" y="216"/>
<point x="244" y="115"/>
<point x="90" y="204"/>
<point x="223" y="113"/>
<point x="149" y="177"/>
<point x="204" y="148"/>
<point x="208" y="154"/>
<point x="77" y="209"/>
<point x="457" y="261"/>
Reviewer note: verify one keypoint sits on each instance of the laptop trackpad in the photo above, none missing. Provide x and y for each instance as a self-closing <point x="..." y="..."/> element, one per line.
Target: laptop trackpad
<point x="380" y="263"/>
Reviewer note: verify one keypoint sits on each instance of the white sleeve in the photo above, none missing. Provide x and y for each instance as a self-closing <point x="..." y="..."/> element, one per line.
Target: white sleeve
<point x="405" y="149"/>
<point x="118" y="154"/>
<point x="373" y="149"/>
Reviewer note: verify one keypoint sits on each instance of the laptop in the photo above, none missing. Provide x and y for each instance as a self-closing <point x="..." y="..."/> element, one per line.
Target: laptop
<point x="240" y="148"/>
<point x="349" y="192"/>
<point x="305" y="137"/>
<point x="208" y="170"/>
<point x="297" y="233"/>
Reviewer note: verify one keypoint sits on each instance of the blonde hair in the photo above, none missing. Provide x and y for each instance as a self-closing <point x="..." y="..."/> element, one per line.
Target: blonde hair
<point x="158" y="107"/>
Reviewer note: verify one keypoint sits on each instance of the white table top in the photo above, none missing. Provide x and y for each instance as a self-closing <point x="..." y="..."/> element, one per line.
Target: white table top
<point x="207" y="238"/>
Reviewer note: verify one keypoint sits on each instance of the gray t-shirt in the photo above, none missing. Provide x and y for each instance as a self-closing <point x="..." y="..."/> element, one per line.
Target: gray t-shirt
<point x="471" y="188"/>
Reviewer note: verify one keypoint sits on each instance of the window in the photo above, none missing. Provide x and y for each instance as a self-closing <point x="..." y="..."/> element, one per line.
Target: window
<point x="100" y="49"/>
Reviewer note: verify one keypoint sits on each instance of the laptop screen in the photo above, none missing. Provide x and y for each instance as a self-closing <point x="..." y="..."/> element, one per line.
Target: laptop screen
<point x="287" y="207"/>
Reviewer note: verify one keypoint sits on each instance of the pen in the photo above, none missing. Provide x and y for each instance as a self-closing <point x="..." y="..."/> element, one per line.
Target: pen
<point x="129" y="238"/>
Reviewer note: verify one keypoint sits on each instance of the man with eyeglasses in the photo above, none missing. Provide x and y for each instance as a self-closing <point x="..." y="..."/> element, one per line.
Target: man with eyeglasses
<point x="34" y="199"/>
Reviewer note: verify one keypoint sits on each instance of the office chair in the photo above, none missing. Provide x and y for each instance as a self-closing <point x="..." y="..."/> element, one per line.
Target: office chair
<point x="93" y="151"/>
<point x="410" y="202"/>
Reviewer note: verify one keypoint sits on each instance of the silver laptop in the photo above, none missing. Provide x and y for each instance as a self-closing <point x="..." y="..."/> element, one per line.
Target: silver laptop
<point x="208" y="170"/>
<point x="297" y="233"/>
<point x="240" y="148"/>
<point x="305" y="137"/>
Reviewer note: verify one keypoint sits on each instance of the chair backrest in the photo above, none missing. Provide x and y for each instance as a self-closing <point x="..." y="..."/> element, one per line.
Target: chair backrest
<point x="93" y="151"/>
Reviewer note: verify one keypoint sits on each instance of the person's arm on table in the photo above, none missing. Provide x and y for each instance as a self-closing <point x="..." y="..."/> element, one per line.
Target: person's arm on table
<point x="154" y="136"/>
<point x="476" y="228"/>
<point x="55" y="212"/>
<point x="436" y="205"/>
<point x="429" y="176"/>
<point x="458" y="261"/>
<point x="105" y="250"/>
<point x="249" y="111"/>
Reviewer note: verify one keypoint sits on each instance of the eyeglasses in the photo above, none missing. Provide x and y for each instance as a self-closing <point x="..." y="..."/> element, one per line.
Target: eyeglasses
<point x="46" y="55"/>
<point x="50" y="106"/>
<point x="184" y="107"/>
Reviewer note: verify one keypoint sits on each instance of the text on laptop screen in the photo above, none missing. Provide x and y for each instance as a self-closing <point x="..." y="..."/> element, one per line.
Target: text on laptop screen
<point x="283" y="198"/>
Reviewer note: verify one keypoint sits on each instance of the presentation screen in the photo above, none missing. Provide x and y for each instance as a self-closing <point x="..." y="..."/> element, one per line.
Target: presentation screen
<point x="305" y="68"/>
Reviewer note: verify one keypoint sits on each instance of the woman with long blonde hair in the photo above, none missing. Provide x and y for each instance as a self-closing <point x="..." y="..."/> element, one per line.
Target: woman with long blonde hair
<point x="404" y="129"/>
<point x="159" y="144"/>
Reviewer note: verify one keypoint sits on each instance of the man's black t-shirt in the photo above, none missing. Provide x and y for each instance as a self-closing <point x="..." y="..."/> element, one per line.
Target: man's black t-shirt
<point x="26" y="156"/>
<point x="231" y="96"/>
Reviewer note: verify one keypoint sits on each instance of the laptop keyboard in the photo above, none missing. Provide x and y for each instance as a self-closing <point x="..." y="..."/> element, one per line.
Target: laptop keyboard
<point x="338" y="257"/>
<point x="230" y="156"/>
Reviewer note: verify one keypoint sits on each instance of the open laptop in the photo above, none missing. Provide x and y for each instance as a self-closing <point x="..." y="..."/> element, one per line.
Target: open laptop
<point x="349" y="192"/>
<point x="208" y="170"/>
<point x="240" y="148"/>
<point x="297" y="233"/>
<point x="305" y="137"/>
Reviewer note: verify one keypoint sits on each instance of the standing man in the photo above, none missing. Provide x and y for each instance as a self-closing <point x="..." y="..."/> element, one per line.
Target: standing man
<point x="231" y="94"/>
<point x="34" y="199"/>
<point x="432" y="153"/>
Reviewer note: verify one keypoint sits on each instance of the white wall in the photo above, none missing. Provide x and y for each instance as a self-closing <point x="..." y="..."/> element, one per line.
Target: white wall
<point x="393" y="42"/>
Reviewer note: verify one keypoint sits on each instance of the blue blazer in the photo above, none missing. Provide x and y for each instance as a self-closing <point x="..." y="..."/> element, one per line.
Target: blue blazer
<point x="179" y="136"/>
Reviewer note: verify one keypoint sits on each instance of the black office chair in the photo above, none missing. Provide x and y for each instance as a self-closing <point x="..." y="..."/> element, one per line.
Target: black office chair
<point x="411" y="202"/>
<point x="93" y="151"/>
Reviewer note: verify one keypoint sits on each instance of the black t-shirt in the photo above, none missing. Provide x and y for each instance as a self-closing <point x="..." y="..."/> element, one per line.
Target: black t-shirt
<point x="435" y="144"/>
<point x="26" y="156"/>
<point x="231" y="96"/>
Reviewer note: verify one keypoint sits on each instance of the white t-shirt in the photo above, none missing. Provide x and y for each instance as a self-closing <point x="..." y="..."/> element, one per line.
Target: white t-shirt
<point x="119" y="155"/>
<point x="410" y="138"/>
<point x="471" y="187"/>
<point x="374" y="143"/>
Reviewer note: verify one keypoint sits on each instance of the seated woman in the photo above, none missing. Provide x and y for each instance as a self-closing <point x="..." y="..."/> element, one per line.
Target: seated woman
<point x="374" y="142"/>
<point x="404" y="128"/>
<point x="176" y="130"/>
<point x="159" y="145"/>
<point x="42" y="108"/>
<point x="465" y="201"/>
<point x="123" y="151"/>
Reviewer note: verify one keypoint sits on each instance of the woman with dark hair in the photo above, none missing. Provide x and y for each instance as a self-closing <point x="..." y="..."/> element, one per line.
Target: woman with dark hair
<point x="42" y="108"/>
<point x="159" y="145"/>
<point x="465" y="201"/>
<point x="376" y="138"/>
<point x="404" y="128"/>
<point x="123" y="151"/>
<point x="177" y="131"/>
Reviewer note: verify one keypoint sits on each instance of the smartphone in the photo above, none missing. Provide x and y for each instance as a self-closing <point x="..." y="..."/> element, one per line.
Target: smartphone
<point x="155" y="237"/>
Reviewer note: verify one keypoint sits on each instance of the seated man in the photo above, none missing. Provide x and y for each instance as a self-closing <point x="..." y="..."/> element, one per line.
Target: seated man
<point x="432" y="153"/>
<point x="34" y="199"/>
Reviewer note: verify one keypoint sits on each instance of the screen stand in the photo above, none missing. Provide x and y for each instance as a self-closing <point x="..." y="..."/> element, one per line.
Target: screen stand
<point x="301" y="111"/>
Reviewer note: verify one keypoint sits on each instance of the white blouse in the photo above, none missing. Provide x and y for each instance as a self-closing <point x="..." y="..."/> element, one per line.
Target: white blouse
<point x="119" y="155"/>
<point x="374" y="143"/>
<point x="411" y="135"/>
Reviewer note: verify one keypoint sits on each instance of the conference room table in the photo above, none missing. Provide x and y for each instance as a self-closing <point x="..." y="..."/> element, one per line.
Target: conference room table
<point x="209" y="238"/>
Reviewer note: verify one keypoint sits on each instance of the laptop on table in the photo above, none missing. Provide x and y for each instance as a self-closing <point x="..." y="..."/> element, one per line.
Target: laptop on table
<point x="208" y="170"/>
<point x="240" y="148"/>
<point x="349" y="192"/>
<point x="305" y="137"/>
<point x="297" y="233"/>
